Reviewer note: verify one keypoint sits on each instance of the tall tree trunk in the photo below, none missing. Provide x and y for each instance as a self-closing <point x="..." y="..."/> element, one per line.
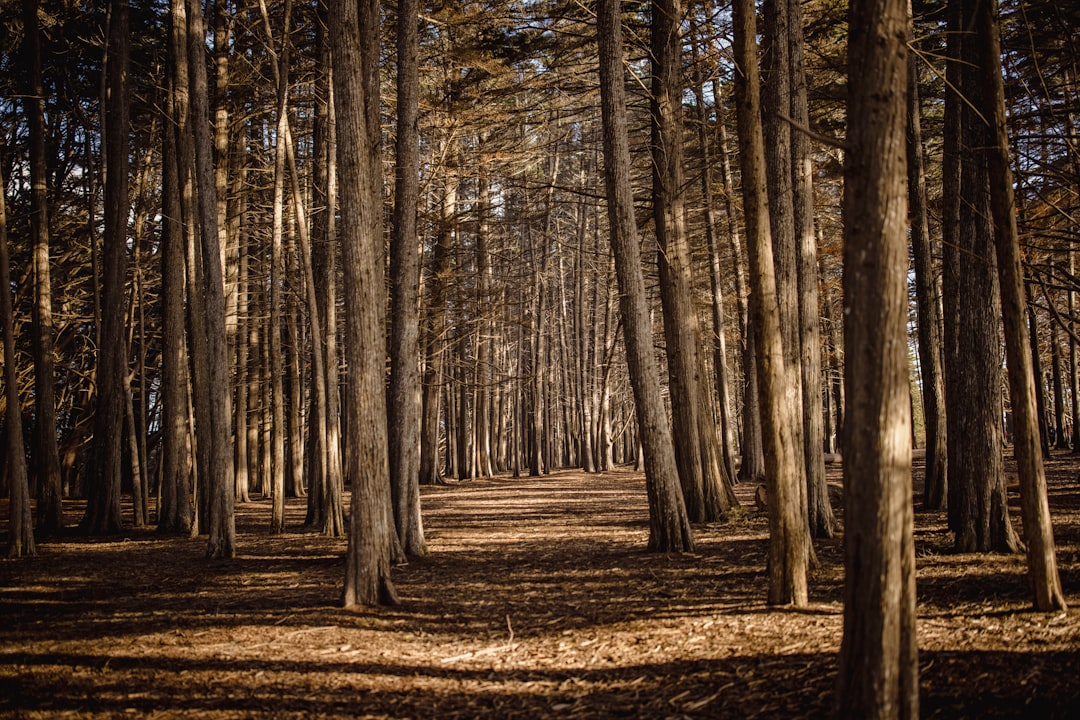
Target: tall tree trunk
<point x="789" y="544"/>
<point x="819" y="510"/>
<point x="879" y="669"/>
<point x="669" y="527"/>
<point x="50" y="511"/>
<point x="928" y="306"/>
<point x="1034" y="508"/>
<point x="697" y="453"/>
<point x="404" y="409"/>
<point x="221" y="525"/>
<point x="371" y="532"/>
<point x="20" y="522"/>
<point x="103" y="483"/>
<point x="982" y="522"/>
<point x="174" y="510"/>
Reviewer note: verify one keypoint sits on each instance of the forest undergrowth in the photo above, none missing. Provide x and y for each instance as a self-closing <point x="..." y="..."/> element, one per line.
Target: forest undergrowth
<point x="536" y="600"/>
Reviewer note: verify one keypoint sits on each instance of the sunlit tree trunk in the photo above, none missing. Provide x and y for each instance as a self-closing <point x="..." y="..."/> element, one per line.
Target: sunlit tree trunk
<point x="405" y="400"/>
<point x="371" y="531"/>
<point x="669" y="527"/>
<point x="789" y="544"/>
<point x="221" y="523"/>
<point x="879" y="670"/>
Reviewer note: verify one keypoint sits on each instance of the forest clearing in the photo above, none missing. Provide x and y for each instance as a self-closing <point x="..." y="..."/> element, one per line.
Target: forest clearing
<point x="536" y="600"/>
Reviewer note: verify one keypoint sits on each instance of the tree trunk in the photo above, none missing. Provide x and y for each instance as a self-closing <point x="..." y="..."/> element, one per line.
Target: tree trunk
<point x="50" y="512"/>
<point x="879" y="670"/>
<point x="927" y="305"/>
<point x="221" y="523"/>
<point x="1034" y="508"/>
<point x="103" y="483"/>
<point x="404" y="418"/>
<point x="371" y="531"/>
<point x="669" y="527"/>
<point x="789" y="545"/>
<point x="819" y="510"/>
<point x="174" y="510"/>
<point x="20" y="522"/>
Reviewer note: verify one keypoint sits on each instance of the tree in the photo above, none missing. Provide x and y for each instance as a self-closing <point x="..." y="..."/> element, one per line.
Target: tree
<point x="1034" y="508"/>
<point x="697" y="453"/>
<point x="20" y="522"/>
<point x="669" y="528"/>
<point x="218" y="435"/>
<point x="928" y="306"/>
<point x="371" y="532"/>
<point x="789" y="545"/>
<point x="404" y="406"/>
<point x="50" y="511"/>
<point x="174" y="511"/>
<point x="977" y="502"/>
<point x="103" y="483"/>
<point x="878" y="675"/>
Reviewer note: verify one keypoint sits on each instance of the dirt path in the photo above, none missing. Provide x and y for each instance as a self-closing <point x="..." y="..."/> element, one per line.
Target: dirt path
<point x="537" y="600"/>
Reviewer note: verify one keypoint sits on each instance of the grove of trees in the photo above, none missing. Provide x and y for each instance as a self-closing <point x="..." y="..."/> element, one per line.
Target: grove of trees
<point x="285" y="249"/>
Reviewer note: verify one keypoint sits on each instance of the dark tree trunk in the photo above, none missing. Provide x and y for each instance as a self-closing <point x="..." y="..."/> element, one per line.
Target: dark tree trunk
<point x="103" y="481"/>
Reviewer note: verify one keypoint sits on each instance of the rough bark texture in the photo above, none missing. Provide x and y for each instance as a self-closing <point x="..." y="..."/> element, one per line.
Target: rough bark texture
<point x="367" y="569"/>
<point x="977" y="489"/>
<point x="1034" y="507"/>
<point x="878" y="675"/>
<point x="103" y="480"/>
<point x="819" y="510"/>
<point x="46" y="452"/>
<point x="789" y="544"/>
<point x="696" y="452"/>
<point x="20" y="522"/>
<point x="218" y="435"/>
<point x="404" y="409"/>
<point x="669" y="528"/>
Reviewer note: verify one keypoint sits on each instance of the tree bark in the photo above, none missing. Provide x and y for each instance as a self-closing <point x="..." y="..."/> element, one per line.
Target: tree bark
<point x="405" y="400"/>
<point x="928" y="305"/>
<point x="789" y="545"/>
<point x="103" y="483"/>
<point x="371" y="531"/>
<point x="1034" y="508"/>
<point x="878" y="675"/>
<point x="669" y="527"/>
<point x="221" y="523"/>
<point x="50" y="512"/>
<point x="20" y="522"/>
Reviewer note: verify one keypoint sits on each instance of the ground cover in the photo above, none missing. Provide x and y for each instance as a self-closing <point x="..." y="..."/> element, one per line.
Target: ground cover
<point x="536" y="600"/>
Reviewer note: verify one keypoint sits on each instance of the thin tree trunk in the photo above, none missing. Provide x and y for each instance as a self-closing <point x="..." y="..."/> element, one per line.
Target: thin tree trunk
<point x="50" y="511"/>
<point x="20" y="522"/>
<point x="222" y="527"/>
<point x="669" y="527"/>
<point x="103" y="484"/>
<point x="1034" y="508"/>
<point x="789" y="546"/>
<point x="405" y="400"/>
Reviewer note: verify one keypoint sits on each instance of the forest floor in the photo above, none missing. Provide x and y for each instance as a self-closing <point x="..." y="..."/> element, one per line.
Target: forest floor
<point x="536" y="600"/>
